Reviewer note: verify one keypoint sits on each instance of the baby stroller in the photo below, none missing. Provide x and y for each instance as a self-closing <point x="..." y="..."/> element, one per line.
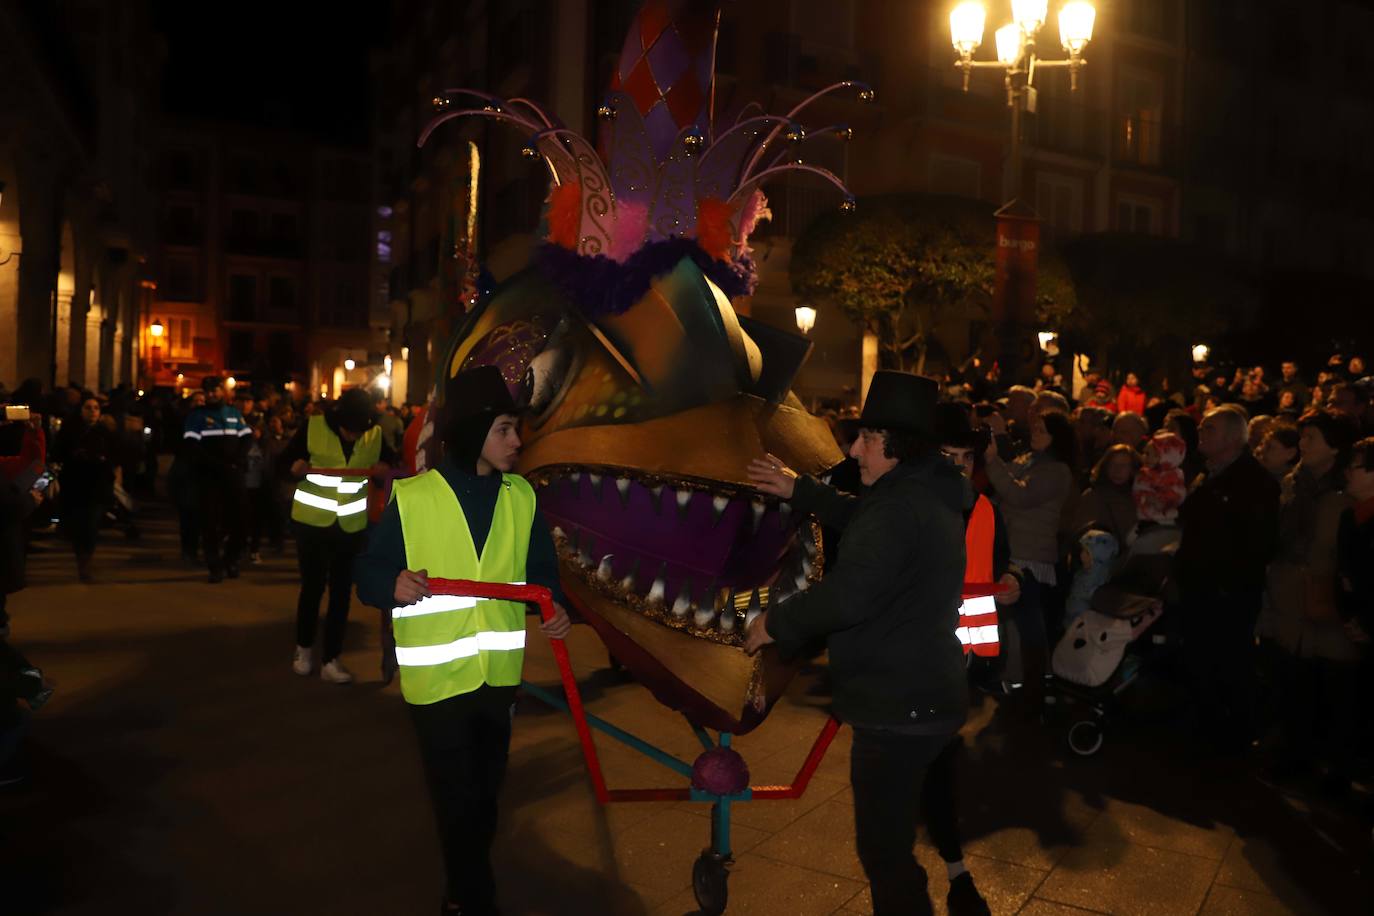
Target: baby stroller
<point x="1106" y="649"/>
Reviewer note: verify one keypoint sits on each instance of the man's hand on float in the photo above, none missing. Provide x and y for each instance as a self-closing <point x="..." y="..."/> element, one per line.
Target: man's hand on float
<point x="757" y="637"/>
<point x="1013" y="592"/>
<point x="411" y="586"/>
<point x="769" y="475"/>
<point x="559" y="625"/>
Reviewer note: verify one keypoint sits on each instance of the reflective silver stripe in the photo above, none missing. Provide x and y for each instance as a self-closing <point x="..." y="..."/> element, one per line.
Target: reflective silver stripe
<point x="212" y="432"/>
<point x="190" y="434"/>
<point x="434" y="604"/>
<point x="467" y="647"/>
<point x="319" y="502"/>
<point x="976" y="607"/>
<point x="336" y="483"/>
<point x="246" y="431"/>
<point x="358" y="505"/>
<point x="978" y="636"/>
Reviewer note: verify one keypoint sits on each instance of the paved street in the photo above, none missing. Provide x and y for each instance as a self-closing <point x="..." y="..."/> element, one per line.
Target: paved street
<point x="182" y="768"/>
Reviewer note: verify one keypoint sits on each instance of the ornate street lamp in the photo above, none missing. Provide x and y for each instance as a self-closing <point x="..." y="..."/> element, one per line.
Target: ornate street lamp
<point x="806" y="318"/>
<point x="156" y="329"/>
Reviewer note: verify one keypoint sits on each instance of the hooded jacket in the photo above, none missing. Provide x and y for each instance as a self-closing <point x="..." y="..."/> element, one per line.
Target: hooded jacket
<point x="890" y="607"/>
<point x="1103" y="548"/>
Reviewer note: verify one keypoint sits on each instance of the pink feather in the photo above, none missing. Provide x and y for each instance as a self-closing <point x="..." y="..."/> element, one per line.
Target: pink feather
<point x="627" y="233"/>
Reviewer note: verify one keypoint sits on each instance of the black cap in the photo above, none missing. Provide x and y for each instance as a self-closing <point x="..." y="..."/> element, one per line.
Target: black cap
<point x="480" y="391"/>
<point x="354" y="412"/>
<point x="901" y="401"/>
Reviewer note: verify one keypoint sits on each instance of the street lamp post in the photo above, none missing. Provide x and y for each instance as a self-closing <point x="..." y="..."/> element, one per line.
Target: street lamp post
<point x="1018" y="235"/>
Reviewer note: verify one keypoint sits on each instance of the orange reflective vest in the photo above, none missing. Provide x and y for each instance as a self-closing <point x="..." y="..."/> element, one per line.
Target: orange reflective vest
<point x="978" y="615"/>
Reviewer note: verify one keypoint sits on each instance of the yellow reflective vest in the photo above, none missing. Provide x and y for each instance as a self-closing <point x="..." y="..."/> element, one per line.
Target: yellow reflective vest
<point x="448" y="645"/>
<point x="322" y="499"/>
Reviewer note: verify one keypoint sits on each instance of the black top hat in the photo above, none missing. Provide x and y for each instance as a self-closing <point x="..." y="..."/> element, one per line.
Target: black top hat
<point x="476" y="392"/>
<point x="354" y="412"/>
<point x="952" y="426"/>
<point x="902" y="401"/>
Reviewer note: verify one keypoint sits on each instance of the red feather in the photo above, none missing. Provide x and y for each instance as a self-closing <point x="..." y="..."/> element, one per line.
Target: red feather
<point x="565" y="214"/>
<point x="713" y="227"/>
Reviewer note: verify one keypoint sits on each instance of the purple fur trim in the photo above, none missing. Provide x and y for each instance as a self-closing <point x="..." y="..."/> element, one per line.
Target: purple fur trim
<point x="600" y="286"/>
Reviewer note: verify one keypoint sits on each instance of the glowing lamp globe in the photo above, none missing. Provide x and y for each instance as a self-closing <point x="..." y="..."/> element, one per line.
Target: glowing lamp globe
<point x="806" y="318"/>
<point x="1029" y="14"/>
<point x="1201" y="352"/>
<point x="1010" y="40"/>
<point x="966" y="27"/>
<point x="349" y="364"/>
<point x="156" y="328"/>
<point x="1076" y="25"/>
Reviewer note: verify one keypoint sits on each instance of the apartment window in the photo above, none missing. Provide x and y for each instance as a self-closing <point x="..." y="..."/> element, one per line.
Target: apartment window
<point x="1140" y="117"/>
<point x="1059" y="200"/>
<point x="181" y="170"/>
<point x="183" y="226"/>
<point x="243" y="297"/>
<point x="243" y="174"/>
<point x="284" y="228"/>
<point x="182" y="338"/>
<point x="955" y="175"/>
<point x="179" y="284"/>
<point x="243" y="225"/>
<point x="1139" y="215"/>
<point x="281" y="295"/>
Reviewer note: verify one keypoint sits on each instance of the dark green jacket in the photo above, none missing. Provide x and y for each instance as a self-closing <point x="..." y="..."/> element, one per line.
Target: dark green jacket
<point x="890" y="606"/>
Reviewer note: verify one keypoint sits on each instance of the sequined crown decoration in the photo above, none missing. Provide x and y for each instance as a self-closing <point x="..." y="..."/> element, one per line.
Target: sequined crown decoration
<point x="665" y="181"/>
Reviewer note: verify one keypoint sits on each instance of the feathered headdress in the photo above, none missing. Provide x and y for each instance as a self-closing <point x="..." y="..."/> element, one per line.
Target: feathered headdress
<point x="665" y="182"/>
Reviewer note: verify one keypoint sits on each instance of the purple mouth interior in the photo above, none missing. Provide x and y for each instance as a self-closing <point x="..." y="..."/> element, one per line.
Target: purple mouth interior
<point x="673" y="537"/>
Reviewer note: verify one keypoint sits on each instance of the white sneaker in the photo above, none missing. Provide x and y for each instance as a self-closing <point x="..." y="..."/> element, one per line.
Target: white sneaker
<point x="302" y="663"/>
<point x="335" y="673"/>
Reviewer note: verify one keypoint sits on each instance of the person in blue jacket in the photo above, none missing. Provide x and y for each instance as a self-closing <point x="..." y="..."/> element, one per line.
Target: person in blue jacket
<point x="216" y="438"/>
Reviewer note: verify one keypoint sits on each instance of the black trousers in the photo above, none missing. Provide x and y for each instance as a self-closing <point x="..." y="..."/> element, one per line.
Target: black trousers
<point x="896" y="777"/>
<point x="464" y="742"/>
<point x="325" y="556"/>
<point x="1219" y="651"/>
<point x="221" y="521"/>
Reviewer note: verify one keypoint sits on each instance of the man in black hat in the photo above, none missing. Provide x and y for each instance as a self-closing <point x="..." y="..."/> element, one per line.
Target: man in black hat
<point x="216" y="439"/>
<point x="460" y="659"/>
<point x="889" y="611"/>
<point x="330" y="516"/>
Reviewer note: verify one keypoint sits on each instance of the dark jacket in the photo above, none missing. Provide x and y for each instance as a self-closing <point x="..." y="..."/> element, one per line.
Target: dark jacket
<point x="1355" y="566"/>
<point x="216" y="443"/>
<point x="376" y="568"/>
<point x="1230" y="526"/>
<point x="890" y="607"/>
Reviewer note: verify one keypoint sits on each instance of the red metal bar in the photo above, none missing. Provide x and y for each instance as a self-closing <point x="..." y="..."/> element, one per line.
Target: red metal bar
<point x="538" y="594"/>
<point x="808" y="767"/>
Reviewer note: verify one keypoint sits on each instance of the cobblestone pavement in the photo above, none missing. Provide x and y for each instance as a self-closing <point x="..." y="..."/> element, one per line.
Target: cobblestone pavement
<point x="183" y="768"/>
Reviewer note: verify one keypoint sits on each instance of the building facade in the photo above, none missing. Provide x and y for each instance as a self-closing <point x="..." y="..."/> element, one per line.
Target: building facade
<point x="76" y="224"/>
<point x="1142" y="146"/>
<point x="262" y="266"/>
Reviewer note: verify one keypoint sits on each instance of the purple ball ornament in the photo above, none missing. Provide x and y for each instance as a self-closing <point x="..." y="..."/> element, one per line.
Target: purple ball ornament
<point x="720" y="771"/>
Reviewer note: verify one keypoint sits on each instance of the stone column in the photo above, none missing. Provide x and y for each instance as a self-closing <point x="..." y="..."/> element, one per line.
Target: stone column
<point x="40" y="221"/>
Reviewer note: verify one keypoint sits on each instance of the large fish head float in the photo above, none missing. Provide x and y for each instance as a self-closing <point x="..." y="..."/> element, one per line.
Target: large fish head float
<point x="648" y="393"/>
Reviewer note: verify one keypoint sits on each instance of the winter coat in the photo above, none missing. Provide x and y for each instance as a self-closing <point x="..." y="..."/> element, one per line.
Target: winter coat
<point x="1131" y="399"/>
<point x="1103" y="548"/>
<point x="1032" y="493"/>
<point x="1230" y="525"/>
<point x="1103" y="506"/>
<point x="1159" y="489"/>
<point x="890" y="607"/>
<point x="1355" y="564"/>
<point x="1302" y="613"/>
<point x="15" y="506"/>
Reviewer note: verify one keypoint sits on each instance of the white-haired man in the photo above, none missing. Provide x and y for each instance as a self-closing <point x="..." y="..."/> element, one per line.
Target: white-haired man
<point x="1230" y="531"/>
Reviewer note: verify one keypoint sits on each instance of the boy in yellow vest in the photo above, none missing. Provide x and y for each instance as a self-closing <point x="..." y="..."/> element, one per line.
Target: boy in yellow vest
<point x="460" y="659"/>
<point x="330" y="518"/>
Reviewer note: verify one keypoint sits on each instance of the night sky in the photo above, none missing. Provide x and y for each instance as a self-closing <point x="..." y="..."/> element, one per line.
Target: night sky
<point x="281" y="64"/>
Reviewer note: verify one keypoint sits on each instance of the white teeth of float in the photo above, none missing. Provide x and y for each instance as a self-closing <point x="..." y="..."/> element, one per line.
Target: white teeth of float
<point x="622" y="485"/>
<point x="683" y="604"/>
<point x="784" y="514"/>
<point x="657" y="494"/>
<point x="800" y="582"/>
<point x="558" y="533"/>
<point x="727" y="620"/>
<point x="656" y="591"/>
<point x="807" y="568"/>
<point x="808" y="544"/>
<point x="718" y="506"/>
<point x="702" y="617"/>
<point x="596" y="484"/>
<point x="575" y="477"/>
<point x="628" y="583"/>
<point x="759" y="508"/>
<point x="683" y="498"/>
<point x="603" y="572"/>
